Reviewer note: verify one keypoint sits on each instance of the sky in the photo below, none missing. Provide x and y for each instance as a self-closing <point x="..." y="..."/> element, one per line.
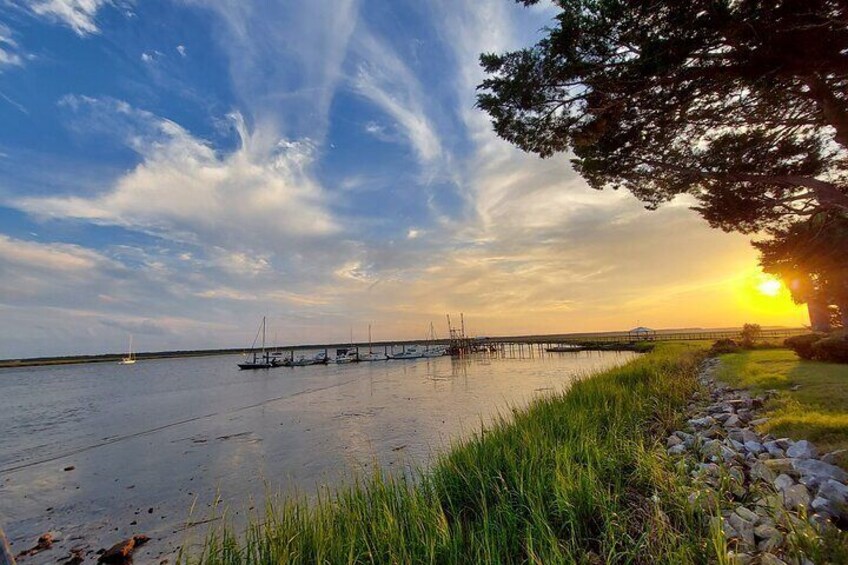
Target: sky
<point x="177" y="169"/>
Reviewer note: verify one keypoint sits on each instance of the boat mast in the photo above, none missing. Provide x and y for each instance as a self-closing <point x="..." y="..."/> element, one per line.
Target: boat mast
<point x="263" y="336"/>
<point x="369" y="339"/>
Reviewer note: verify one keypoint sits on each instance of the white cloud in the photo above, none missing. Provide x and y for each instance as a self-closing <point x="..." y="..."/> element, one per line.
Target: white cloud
<point x="181" y="49"/>
<point x="285" y="58"/>
<point x="386" y="81"/>
<point x="9" y="51"/>
<point x="184" y="190"/>
<point x="79" y="15"/>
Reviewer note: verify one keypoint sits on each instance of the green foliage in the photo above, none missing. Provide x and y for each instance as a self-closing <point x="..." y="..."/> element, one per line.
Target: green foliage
<point x="833" y="347"/>
<point x="750" y="334"/>
<point x="716" y="99"/>
<point x="802" y="345"/>
<point x="575" y="478"/>
<point x="724" y="346"/>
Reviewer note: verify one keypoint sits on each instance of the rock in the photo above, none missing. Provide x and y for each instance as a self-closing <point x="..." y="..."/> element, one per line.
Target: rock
<point x="734" y="445"/>
<point x="712" y="432"/>
<point x="759" y="422"/>
<point x="679" y="449"/>
<point x="831" y="457"/>
<point x="711" y="448"/>
<point x="672" y="441"/>
<point x="732" y="422"/>
<point x="824" y="507"/>
<point x="770" y="559"/>
<point x="123" y="550"/>
<point x="761" y="471"/>
<point x="743" y="528"/>
<point x="769" y="537"/>
<point x="69" y="468"/>
<point x="747" y="514"/>
<point x="45" y="542"/>
<point x="783" y="482"/>
<point x="774" y="449"/>
<point x="802" y="449"/>
<point x="748" y="435"/>
<point x="704" y="422"/>
<point x="754" y="447"/>
<point x="738" y="558"/>
<point x="779" y="465"/>
<point x="683" y="435"/>
<point x="795" y="497"/>
<point x="837" y="496"/>
<point x="816" y="472"/>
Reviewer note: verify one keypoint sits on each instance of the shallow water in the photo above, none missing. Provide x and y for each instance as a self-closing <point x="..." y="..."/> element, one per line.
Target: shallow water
<point x="148" y="441"/>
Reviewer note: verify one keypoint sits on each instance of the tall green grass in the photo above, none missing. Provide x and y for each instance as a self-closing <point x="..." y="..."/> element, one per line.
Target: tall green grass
<point x="577" y="477"/>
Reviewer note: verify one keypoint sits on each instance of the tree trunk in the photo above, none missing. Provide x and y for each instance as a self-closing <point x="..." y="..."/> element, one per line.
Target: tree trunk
<point x="819" y="315"/>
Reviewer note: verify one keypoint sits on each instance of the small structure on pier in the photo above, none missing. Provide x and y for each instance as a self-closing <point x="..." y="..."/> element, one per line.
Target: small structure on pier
<point x="642" y="334"/>
<point x="460" y="344"/>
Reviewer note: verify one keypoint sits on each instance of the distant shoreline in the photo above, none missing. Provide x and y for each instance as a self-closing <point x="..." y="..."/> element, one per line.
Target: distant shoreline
<point x="590" y="340"/>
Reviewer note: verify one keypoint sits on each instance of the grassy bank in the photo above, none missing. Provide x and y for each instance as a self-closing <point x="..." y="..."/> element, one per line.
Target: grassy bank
<point x="575" y="478"/>
<point x="817" y="410"/>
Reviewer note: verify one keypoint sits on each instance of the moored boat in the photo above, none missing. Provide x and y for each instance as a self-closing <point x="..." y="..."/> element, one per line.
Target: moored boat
<point x="130" y="358"/>
<point x="263" y="360"/>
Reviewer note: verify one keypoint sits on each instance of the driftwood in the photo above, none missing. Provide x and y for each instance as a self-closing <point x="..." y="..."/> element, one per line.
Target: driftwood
<point x="6" y="557"/>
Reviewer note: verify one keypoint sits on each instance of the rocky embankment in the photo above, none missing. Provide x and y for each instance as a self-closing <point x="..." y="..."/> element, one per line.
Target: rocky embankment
<point x="770" y="490"/>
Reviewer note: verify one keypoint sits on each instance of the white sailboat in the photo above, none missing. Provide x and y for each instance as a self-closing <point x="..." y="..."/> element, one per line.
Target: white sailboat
<point x="130" y="358"/>
<point x="371" y="356"/>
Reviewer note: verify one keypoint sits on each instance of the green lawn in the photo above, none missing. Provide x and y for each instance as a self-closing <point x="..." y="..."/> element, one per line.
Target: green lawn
<point x="817" y="411"/>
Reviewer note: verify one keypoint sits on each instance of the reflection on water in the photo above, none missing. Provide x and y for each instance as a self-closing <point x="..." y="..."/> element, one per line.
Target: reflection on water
<point x="146" y="441"/>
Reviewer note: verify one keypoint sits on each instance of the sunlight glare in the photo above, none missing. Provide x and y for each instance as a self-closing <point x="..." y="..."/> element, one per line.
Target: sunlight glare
<point x="770" y="287"/>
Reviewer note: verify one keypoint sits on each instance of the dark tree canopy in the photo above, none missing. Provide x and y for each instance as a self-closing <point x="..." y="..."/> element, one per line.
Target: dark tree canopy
<point x="741" y="103"/>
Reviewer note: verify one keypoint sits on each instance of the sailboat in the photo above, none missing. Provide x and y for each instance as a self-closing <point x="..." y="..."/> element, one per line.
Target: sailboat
<point x="432" y="349"/>
<point x="371" y="356"/>
<point x="263" y="361"/>
<point x="130" y="358"/>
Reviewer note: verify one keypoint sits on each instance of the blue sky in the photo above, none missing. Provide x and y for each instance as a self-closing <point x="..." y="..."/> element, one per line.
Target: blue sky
<point x="176" y="169"/>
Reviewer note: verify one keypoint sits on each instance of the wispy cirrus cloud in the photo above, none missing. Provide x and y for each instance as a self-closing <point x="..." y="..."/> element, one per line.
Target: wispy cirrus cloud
<point x="384" y="79"/>
<point x="79" y="15"/>
<point x="10" y="52"/>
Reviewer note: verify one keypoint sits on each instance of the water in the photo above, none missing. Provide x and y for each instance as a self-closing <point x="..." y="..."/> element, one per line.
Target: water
<point x="148" y="441"/>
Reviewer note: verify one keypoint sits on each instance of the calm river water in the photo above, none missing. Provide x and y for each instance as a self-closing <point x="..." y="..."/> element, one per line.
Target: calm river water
<point x="143" y="443"/>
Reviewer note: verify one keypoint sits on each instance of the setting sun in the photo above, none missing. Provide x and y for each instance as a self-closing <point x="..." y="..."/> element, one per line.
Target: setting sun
<point x="770" y="287"/>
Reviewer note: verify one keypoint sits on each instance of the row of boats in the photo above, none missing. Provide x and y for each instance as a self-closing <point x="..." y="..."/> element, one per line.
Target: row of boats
<point x="264" y="359"/>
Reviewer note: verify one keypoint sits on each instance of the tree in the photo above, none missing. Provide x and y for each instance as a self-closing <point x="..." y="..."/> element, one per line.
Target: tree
<point x="812" y="256"/>
<point x="741" y="103"/>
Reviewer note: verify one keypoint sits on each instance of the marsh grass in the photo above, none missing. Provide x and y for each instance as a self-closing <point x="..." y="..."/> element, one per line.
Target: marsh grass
<point x="577" y="477"/>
